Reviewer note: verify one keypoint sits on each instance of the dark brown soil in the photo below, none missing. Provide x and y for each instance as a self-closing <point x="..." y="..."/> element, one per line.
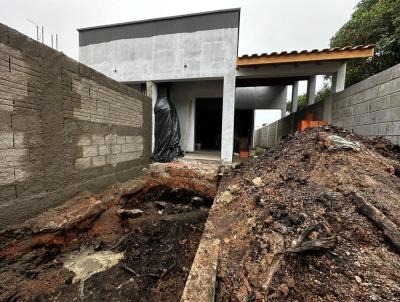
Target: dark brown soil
<point x="304" y="191"/>
<point x="158" y="248"/>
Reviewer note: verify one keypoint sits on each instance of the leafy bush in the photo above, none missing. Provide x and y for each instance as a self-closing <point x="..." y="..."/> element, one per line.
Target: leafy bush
<point x="373" y="22"/>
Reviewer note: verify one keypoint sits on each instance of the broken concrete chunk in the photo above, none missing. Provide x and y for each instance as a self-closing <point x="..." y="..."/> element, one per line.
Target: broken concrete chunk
<point x="135" y="213"/>
<point x="87" y="263"/>
<point x="234" y="189"/>
<point x="225" y="197"/>
<point x="257" y="181"/>
<point x="335" y="142"/>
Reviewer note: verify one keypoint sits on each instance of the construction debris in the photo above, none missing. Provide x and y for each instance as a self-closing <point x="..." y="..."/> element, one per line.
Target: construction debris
<point x="317" y="218"/>
<point x="135" y="213"/>
<point x="336" y="142"/>
<point x="114" y="246"/>
<point x="323" y="227"/>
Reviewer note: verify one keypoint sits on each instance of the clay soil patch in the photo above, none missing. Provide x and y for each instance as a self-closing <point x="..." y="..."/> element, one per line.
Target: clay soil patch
<point x="114" y="257"/>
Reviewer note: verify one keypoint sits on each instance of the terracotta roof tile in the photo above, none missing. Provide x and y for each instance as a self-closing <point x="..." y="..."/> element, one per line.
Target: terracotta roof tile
<point x="295" y="52"/>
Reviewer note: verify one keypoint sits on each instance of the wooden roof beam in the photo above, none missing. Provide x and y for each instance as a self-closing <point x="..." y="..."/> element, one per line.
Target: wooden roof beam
<point x="305" y="57"/>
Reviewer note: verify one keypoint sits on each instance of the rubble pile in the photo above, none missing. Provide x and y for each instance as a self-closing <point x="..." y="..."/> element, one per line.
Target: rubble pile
<point x="315" y="218"/>
<point x="134" y="242"/>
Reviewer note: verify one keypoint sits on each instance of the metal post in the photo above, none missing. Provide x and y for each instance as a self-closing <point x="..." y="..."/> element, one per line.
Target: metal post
<point x="42" y="34"/>
<point x="52" y="41"/>
<point x="56" y="41"/>
<point x="37" y="33"/>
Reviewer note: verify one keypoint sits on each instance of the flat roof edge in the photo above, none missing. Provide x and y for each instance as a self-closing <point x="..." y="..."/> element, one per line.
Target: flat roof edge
<point x="238" y="9"/>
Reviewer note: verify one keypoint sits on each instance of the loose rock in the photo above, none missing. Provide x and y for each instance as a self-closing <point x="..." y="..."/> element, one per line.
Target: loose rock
<point x="135" y="213"/>
<point x="257" y="181"/>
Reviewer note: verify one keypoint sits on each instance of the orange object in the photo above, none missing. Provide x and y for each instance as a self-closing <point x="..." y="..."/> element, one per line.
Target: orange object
<point x="244" y="154"/>
<point x="309" y="116"/>
<point x="314" y="124"/>
<point x="303" y="125"/>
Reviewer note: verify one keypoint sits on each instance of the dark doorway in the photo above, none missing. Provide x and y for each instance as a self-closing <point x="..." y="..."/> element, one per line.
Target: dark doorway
<point x="208" y="124"/>
<point x="244" y="120"/>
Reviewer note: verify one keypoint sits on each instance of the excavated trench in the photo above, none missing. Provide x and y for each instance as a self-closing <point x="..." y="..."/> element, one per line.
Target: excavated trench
<point x="138" y="247"/>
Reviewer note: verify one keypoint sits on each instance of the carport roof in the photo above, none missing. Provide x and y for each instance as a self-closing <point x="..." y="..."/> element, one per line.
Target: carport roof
<point x="316" y="55"/>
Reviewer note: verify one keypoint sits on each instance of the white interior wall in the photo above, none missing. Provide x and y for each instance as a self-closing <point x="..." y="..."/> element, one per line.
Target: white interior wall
<point x="183" y="95"/>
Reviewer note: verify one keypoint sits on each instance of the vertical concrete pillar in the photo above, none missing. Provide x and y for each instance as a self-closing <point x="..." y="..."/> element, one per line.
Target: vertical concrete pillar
<point x="295" y="96"/>
<point x="339" y="79"/>
<point x="151" y="90"/>
<point x="189" y="141"/>
<point x="311" y="89"/>
<point x="283" y="97"/>
<point x="253" y="129"/>
<point x="228" y="118"/>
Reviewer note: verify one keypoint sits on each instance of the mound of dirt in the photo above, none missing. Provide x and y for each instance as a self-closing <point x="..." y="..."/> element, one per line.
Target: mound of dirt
<point x="133" y="242"/>
<point x="313" y="219"/>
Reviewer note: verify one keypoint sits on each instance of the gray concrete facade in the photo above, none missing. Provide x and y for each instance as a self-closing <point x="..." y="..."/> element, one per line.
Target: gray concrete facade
<point x="198" y="48"/>
<point x="184" y="48"/>
<point x="194" y="50"/>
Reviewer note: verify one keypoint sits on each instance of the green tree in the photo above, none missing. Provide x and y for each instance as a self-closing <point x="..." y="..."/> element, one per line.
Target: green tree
<point x="373" y="22"/>
<point x="321" y="94"/>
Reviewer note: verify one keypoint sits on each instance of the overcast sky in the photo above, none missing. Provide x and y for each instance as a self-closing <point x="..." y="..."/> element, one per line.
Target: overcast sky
<point x="265" y="25"/>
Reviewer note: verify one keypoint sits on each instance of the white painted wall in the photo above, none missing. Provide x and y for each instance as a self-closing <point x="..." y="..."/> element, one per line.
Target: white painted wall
<point x="210" y="53"/>
<point x="183" y="95"/>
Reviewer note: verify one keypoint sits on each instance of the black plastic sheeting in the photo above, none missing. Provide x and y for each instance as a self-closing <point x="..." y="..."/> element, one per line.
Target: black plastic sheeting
<point x="167" y="132"/>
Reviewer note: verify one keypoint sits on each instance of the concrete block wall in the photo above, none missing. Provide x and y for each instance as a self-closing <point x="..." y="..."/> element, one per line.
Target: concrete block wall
<point x="269" y="135"/>
<point x="64" y="128"/>
<point x="371" y="107"/>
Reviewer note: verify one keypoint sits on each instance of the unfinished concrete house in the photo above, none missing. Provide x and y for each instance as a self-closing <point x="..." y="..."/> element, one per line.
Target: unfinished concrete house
<point x="87" y="215"/>
<point x="194" y="59"/>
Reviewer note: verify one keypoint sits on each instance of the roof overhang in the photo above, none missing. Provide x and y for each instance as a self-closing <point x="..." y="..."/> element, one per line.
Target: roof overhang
<point x="295" y="57"/>
<point x="275" y="81"/>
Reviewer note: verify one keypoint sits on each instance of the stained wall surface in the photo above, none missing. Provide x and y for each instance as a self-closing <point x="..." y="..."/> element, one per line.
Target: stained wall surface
<point x="64" y="128"/>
